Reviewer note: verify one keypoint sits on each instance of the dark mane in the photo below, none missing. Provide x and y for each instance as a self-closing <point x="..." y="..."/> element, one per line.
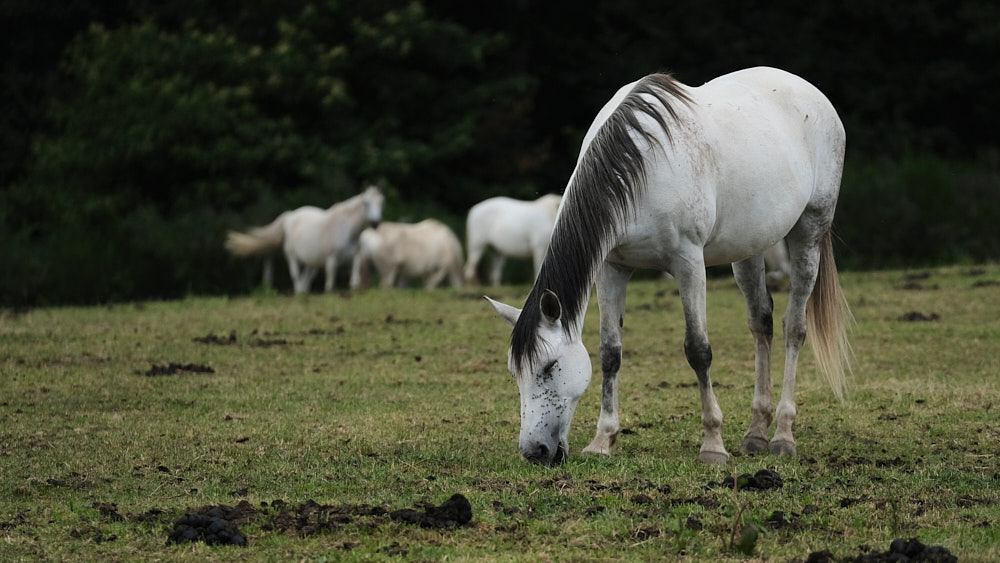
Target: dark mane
<point x="600" y="198"/>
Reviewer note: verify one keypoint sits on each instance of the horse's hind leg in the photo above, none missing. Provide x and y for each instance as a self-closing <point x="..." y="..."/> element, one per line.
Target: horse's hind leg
<point x="331" y="273"/>
<point x="690" y="275"/>
<point x="436" y="277"/>
<point x="268" y="275"/>
<point x="388" y="275"/>
<point x="496" y="268"/>
<point x="308" y="275"/>
<point x="475" y="253"/>
<point x="611" y="299"/>
<point x="804" y="251"/>
<point x="750" y="278"/>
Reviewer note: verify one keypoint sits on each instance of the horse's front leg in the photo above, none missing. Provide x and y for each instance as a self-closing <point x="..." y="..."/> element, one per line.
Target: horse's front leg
<point x="750" y="278"/>
<point x="388" y="275"/>
<point x="308" y="275"/>
<point x="355" y="282"/>
<point x="689" y="271"/>
<point x="611" y="300"/>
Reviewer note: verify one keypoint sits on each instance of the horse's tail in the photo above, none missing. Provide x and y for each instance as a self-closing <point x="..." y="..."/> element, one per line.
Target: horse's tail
<point x="259" y="240"/>
<point x="828" y="316"/>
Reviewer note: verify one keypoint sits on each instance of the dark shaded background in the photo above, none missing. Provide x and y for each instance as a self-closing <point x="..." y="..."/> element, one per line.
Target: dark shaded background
<point x="134" y="134"/>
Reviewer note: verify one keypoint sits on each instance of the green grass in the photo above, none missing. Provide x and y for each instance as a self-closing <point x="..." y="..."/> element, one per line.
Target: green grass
<point x="395" y="398"/>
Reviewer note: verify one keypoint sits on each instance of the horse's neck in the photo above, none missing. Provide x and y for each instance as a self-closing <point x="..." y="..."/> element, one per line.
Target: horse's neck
<point x="347" y="203"/>
<point x="349" y="212"/>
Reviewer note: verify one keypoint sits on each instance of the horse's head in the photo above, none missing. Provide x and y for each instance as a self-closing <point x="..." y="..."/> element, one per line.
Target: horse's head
<point x="373" y="199"/>
<point x="550" y="384"/>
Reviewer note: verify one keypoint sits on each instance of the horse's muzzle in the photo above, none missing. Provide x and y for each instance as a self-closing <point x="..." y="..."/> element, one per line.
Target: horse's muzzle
<point x="544" y="455"/>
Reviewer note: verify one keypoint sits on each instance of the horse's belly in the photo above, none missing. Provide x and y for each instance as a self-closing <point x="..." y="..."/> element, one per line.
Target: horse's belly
<point x="306" y="247"/>
<point x="510" y="242"/>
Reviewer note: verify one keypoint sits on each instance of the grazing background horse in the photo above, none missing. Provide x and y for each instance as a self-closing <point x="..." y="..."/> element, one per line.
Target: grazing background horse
<point x="428" y="249"/>
<point x="313" y="238"/>
<point x="675" y="178"/>
<point x="512" y="228"/>
<point x="776" y="260"/>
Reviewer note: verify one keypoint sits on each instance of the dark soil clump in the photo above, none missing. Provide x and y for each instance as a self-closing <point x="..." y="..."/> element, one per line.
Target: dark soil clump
<point x="267" y="343"/>
<point x="779" y="519"/>
<point x="916" y="316"/>
<point x="454" y="512"/>
<point x="899" y="550"/>
<point x="209" y="529"/>
<point x="217" y="340"/>
<point x="760" y="481"/>
<point x="174" y="368"/>
<point x="214" y="525"/>
<point x="109" y="511"/>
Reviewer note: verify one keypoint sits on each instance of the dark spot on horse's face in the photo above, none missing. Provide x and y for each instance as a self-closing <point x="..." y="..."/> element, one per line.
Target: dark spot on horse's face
<point x="548" y="371"/>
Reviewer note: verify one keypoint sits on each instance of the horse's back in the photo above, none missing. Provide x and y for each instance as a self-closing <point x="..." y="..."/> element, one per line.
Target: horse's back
<point x="740" y="165"/>
<point x="425" y="246"/>
<point x="503" y="223"/>
<point x="767" y="110"/>
<point x="777" y="142"/>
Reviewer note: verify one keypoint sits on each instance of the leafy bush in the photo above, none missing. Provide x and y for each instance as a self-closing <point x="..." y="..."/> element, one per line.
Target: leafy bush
<point x="917" y="211"/>
<point x="168" y="135"/>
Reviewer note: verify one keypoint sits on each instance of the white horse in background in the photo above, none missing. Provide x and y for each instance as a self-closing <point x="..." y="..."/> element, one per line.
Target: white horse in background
<point x="776" y="259"/>
<point x="313" y="238"/>
<point x="677" y="178"/>
<point x="428" y="249"/>
<point x="512" y="228"/>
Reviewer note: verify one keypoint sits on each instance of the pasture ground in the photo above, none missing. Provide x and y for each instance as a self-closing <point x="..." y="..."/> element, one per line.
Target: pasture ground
<point x="383" y="400"/>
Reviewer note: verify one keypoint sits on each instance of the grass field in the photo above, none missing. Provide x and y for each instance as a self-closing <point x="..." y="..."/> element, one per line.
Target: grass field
<point x="373" y="402"/>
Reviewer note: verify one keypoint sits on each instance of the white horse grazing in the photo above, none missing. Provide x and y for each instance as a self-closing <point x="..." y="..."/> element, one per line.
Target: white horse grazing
<point x="513" y="228"/>
<point x="428" y="249"/>
<point x="676" y="178"/>
<point x="776" y="260"/>
<point x="313" y="237"/>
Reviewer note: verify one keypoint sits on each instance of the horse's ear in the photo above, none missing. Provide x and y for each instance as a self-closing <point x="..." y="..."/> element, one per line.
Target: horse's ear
<point x="506" y="312"/>
<point x="550" y="307"/>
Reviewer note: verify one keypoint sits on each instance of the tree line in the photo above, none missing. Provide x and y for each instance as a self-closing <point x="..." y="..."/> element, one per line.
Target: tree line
<point x="136" y="134"/>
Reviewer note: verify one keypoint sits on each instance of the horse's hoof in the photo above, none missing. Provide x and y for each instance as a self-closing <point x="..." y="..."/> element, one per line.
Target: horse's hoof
<point x="753" y="444"/>
<point x="601" y="447"/>
<point x="592" y="450"/>
<point x="782" y="447"/>
<point x="713" y="458"/>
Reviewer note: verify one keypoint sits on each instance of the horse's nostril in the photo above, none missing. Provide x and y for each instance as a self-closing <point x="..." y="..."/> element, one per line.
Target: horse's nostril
<point x="538" y="454"/>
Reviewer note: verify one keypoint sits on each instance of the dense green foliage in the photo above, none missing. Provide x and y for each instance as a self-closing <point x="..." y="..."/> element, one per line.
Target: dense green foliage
<point x="139" y="133"/>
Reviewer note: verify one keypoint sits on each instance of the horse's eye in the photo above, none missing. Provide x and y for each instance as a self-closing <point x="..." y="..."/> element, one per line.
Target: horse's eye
<point x="547" y="370"/>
